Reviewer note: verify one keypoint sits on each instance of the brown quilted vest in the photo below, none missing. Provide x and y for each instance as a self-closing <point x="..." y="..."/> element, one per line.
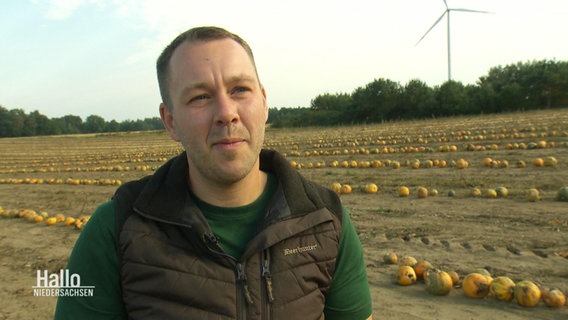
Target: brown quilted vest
<point x="173" y="268"/>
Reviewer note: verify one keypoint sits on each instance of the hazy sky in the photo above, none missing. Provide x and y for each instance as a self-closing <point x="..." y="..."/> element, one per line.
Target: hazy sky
<point x="84" y="57"/>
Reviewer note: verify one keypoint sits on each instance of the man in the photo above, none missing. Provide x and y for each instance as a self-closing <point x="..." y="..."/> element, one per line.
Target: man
<point x="225" y="230"/>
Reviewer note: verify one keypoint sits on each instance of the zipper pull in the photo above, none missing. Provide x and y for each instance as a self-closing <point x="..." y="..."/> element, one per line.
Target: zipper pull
<point x="267" y="277"/>
<point x="241" y="276"/>
<point x="210" y="239"/>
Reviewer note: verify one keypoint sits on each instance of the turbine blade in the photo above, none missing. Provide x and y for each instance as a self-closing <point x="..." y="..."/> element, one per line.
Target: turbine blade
<point x="469" y="10"/>
<point x="432" y="27"/>
<point x="446" y="3"/>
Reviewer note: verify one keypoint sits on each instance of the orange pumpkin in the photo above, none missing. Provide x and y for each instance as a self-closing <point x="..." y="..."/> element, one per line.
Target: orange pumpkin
<point x="420" y="267"/>
<point x="455" y="277"/>
<point x="422" y="192"/>
<point x="476" y="285"/>
<point x="553" y="298"/>
<point x="538" y="162"/>
<point x="527" y="294"/>
<point x="502" y="288"/>
<point x="405" y="276"/>
<point x="438" y="282"/>
<point x="69" y="221"/>
<point x="346" y="189"/>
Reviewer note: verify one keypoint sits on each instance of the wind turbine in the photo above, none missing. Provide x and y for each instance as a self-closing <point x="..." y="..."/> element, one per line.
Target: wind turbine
<point x="447" y="12"/>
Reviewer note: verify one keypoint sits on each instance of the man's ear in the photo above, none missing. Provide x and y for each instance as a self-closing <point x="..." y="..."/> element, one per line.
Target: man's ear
<point x="265" y="103"/>
<point x="168" y="120"/>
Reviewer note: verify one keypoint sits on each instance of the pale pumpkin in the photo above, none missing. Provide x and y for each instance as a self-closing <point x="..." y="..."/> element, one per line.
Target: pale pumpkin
<point x="562" y="194"/>
<point x="438" y="282"/>
<point x="502" y="288"/>
<point x="532" y="195"/>
<point x="371" y="188"/>
<point x="336" y="186"/>
<point x="403" y="191"/>
<point x="502" y="192"/>
<point x="407" y="261"/>
<point x="390" y="258"/>
<point x="491" y="193"/>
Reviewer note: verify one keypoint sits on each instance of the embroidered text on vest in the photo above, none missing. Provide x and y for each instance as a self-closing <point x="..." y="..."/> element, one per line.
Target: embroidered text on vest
<point x="300" y="249"/>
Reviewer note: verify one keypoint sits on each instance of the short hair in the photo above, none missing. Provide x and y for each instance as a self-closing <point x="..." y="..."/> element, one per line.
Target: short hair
<point x="199" y="34"/>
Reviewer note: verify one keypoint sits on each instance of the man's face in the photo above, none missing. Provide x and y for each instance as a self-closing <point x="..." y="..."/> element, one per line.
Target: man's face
<point x="218" y="109"/>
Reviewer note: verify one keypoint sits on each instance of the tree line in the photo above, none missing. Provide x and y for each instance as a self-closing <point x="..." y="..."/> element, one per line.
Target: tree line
<point x="17" y="123"/>
<point x="520" y="86"/>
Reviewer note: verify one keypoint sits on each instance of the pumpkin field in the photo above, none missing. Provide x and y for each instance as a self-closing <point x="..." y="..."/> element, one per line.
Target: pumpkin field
<point x="463" y="194"/>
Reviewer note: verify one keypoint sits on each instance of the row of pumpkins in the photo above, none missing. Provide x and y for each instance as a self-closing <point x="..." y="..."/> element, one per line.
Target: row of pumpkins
<point x="531" y="194"/>
<point x="43" y="217"/>
<point x="477" y="284"/>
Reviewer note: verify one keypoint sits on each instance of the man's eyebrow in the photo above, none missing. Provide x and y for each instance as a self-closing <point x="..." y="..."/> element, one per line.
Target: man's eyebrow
<point x="241" y="77"/>
<point x="193" y="86"/>
<point x="230" y="80"/>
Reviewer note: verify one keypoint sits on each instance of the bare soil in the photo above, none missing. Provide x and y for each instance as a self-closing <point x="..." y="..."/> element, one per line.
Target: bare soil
<point x="508" y="236"/>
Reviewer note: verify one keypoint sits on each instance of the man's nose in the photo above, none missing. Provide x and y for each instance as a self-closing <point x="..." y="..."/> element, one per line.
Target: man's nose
<point x="226" y="110"/>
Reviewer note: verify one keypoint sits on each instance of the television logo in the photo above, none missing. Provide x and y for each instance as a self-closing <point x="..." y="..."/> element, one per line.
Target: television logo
<point x="62" y="284"/>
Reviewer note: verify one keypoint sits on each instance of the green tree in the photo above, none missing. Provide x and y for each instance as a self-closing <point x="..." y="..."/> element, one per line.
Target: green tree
<point x="482" y="99"/>
<point x="376" y="102"/>
<point x="43" y="125"/>
<point x="417" y="100"/>
<point x="17" y="119"/>
<point x="452" y="99"/>
<point x="5" y="122"/>
<point x="330" y="109"/>
<point x="94" y="124"/>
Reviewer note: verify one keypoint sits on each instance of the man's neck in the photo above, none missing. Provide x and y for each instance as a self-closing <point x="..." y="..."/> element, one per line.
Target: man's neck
<point x="238" y="194"/>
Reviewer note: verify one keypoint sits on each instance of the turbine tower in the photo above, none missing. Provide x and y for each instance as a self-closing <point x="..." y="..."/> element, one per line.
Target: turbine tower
<point x="447" y="12"/>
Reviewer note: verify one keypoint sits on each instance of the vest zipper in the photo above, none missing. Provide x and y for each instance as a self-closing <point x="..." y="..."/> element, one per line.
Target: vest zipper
<point x="244" y="289"/>
<point x="267" y="297"/>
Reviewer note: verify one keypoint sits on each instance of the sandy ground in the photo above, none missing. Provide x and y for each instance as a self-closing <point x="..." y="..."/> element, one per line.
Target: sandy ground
<point x="507" y="236"/>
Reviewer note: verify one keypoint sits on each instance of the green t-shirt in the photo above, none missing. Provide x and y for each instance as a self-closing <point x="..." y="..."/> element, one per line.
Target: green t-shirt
<point x="95" y="259"/>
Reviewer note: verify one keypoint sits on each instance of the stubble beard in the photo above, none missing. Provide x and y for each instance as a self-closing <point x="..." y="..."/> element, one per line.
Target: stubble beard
<point x="215" y="168"/>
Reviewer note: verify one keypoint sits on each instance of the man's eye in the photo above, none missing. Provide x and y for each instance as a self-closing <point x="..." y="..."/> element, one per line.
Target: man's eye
<point x="198" y="98"/>
<point x="241" y="89"/>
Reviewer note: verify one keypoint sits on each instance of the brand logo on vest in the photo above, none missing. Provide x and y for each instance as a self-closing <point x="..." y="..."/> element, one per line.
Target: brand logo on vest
<point x="300" y="249"/>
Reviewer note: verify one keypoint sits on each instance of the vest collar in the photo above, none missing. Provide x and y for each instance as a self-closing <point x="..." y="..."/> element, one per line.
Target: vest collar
<point x="166" y="195"/>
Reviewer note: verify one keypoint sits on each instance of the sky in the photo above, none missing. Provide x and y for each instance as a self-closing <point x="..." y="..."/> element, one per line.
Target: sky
<point x="97" y="57"/>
